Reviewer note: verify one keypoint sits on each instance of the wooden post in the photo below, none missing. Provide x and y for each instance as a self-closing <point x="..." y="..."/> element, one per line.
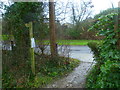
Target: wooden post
<point x="53" y="45"/>
<point x="31" y="48"/>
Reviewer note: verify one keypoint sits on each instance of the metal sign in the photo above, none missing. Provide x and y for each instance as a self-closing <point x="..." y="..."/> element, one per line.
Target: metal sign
<point x="32" y="42"/>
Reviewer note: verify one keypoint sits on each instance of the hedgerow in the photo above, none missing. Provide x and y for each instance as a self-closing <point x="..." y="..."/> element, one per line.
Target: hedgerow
<point x="106" y="72"/>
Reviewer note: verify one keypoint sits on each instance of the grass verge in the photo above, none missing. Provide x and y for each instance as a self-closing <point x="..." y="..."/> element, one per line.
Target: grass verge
<point x="5" y="37"/>
<point x="73" y="42"/>
<point x="59" y="42"/>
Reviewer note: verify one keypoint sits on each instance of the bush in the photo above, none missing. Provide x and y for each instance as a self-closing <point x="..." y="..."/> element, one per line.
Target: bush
<point x="104" y="76"/>
<point x="57" y="65"/>
<point x="106" y="73"/>
<point x="96" y="51"/>
<point x="92" y="76"/>
<point x="109" y="76"/>
<point x="94" y="47"/>
<point x="19" y="75"/>
<point x="73" y="33"/>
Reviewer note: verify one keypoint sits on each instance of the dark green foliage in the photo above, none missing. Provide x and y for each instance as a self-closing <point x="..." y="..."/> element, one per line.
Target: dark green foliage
<point x="55" y="67"/>
<point x="92" y="76"/>
<point x="15" y="76"/>
<point x="80" y="30"/>
<point x="40" y="30"/>
<point x="94" y="47"/>
<point x="13" y="73"/>
<point x="16" y="63"/>
<point x="106" y="72"/>
<point x="15" y="19"/>
<point x="104" y="76"/>
<point x="73" y="33"/>
<point x="109" y="76"/>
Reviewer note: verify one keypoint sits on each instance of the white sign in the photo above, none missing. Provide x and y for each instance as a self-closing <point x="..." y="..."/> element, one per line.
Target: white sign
<point x="32" y="42"/>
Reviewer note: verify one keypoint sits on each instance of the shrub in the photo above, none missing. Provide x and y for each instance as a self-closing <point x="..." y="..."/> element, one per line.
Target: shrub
<point x="94" y="47"/>
<point x="106" y="72"/>
<point x="96" y="51"/>
<point x="109" y="76"/>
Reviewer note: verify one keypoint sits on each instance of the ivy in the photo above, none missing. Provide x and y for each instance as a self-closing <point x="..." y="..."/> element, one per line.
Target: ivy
<point x="109" y="54"/>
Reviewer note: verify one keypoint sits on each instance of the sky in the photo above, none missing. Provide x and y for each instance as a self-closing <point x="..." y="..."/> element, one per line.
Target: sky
<point x="99" y="5"/>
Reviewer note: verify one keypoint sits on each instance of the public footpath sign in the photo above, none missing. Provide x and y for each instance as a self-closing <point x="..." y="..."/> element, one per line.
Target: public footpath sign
<point x="32" y="43"/>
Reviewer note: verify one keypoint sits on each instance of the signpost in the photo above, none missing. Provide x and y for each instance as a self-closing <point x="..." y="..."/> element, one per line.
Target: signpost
<point x="32" y="47"/>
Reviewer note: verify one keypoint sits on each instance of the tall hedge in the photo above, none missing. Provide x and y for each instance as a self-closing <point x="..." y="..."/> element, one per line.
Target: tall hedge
<point x="106" y="72"/>
<point x="18" y="60"/>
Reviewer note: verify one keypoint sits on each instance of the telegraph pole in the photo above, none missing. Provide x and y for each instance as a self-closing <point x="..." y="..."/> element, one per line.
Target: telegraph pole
<point x="53" y="45"/>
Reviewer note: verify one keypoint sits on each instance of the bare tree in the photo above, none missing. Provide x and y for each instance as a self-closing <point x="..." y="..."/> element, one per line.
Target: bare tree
<point x="61" y="10"/>
<point x="81" y="11"/>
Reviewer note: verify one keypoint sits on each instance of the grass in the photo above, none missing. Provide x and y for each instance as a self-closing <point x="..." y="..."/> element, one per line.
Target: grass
<point x="59" y="42"/>
<point x="5" y="37"/>
<point x="73" y="42"/>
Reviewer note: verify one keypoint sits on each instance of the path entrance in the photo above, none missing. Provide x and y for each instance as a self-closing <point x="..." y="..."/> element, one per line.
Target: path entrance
<point x="77" y="78"/>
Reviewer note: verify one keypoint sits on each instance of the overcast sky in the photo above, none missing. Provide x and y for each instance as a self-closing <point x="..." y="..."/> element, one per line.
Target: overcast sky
<point x="99" y="5"/>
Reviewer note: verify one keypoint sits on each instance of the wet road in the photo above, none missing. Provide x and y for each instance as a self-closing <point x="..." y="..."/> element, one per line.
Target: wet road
<point x="83" y="53"/>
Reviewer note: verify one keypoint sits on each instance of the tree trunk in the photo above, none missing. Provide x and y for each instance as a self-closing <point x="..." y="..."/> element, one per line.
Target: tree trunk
<point x="53" y="46"/>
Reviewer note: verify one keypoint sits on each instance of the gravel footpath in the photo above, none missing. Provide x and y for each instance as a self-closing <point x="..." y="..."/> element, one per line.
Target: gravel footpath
<point x="77" y="78"/>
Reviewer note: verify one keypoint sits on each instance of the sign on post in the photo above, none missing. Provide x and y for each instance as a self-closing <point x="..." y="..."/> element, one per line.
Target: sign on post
<point x="32" y="43"/>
